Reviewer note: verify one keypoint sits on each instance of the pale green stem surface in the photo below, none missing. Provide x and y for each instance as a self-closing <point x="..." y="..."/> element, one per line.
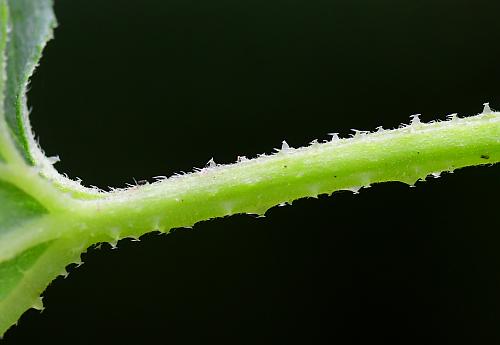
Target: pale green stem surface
<point x="253" y="186"/>
<point x="73" y="222"/>
<point x="48" y="220"/>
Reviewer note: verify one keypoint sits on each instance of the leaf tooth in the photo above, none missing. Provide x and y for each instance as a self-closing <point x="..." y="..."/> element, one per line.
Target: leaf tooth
<point x="38" y="304"/>
<point x="64" y="274"/>
<point x="354" y="190"/>
<point x="134" y="238"/>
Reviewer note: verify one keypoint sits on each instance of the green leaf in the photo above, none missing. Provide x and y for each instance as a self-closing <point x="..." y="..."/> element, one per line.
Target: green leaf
<point x="4" y="15"/>
<point x="32" y="23"/>
<point x="25" y="275"/>
<point x="12" y="273"/>
<point x="28" y="263"/>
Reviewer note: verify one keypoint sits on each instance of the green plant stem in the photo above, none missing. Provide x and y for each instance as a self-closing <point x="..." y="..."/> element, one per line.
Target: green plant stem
<point x="253" y="186"/>
<point x="74" y="222"/>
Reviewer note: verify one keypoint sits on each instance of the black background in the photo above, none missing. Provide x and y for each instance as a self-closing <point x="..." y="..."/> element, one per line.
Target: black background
<point x="153" y="87"/>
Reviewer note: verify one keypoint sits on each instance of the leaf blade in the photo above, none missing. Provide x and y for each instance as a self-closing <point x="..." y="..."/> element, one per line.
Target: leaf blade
<point x="24" y="278"/>
<point x="31" y="26"/>
<point x="4" y="19"/>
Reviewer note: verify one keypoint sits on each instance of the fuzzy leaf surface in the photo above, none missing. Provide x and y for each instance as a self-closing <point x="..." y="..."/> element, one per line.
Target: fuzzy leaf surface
<point x="31" y="25"/>
<point x="25" y="27"/>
